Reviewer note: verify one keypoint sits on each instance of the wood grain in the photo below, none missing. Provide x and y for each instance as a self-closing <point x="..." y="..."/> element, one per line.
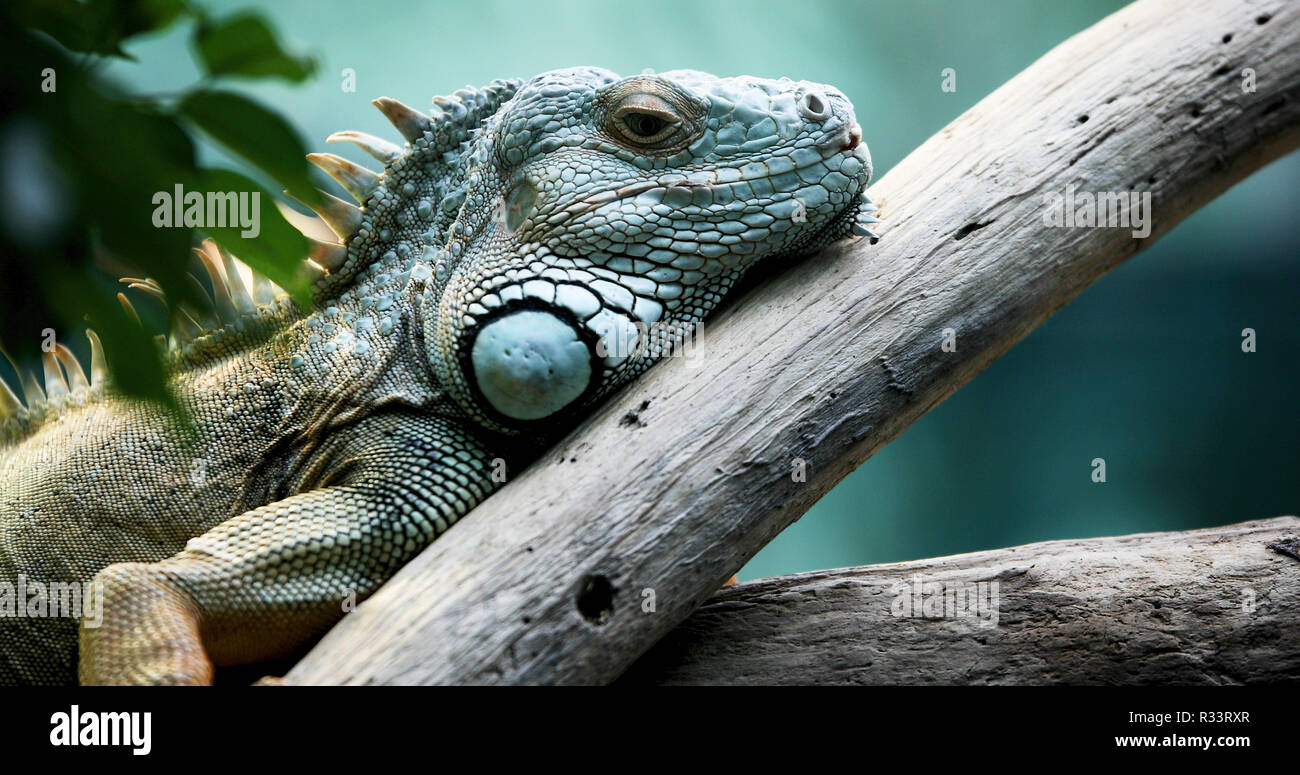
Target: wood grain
<point x="1201" y="607"/>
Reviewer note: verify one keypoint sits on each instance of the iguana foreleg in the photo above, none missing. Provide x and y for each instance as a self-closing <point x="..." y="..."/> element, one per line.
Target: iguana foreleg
<point x="265" y="583"/>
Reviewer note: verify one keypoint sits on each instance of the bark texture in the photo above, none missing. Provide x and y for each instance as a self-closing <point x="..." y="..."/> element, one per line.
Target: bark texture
<point x="1215" y="606"/>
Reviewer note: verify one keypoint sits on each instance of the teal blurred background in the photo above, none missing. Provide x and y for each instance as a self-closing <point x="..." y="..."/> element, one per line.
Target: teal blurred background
<point x="1145" y="369"/>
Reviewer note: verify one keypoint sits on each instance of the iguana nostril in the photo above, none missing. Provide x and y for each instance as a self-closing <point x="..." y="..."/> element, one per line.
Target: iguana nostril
<point x="814" y="106"/>
<point x="530" y="364"/>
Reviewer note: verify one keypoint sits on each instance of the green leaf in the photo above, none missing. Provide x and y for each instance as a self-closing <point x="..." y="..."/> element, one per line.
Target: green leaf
<point x="244" y="45"/>
<point x="100" y="26"/>
<point x="111" y="154"/>
<point x="136" y="16"/>
<point x="120" y="155"/>
<point x="115" y="152"/>
<point x="278" y="250"/>
<point x="261" y="137"/>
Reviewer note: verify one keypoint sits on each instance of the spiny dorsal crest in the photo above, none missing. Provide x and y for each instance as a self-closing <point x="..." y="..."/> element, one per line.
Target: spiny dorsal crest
<point x="421" y="187"/>
<point x="417" y="188"/>
<point x="242" y="302"/>
<point x="418" y="194"/>
<point x="66" y="383"/>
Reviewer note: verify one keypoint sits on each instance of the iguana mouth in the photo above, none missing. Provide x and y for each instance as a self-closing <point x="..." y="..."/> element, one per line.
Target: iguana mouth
<point x="705" y="179"/>
<point x="855" y="137"/>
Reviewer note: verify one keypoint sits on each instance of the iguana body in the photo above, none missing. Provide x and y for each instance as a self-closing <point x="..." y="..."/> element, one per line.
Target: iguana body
<point x="481" y="300"/>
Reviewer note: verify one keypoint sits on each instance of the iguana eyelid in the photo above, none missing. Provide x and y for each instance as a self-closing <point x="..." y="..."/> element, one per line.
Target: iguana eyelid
<point x="650" y="105"/>
<point x="678" y="107"/>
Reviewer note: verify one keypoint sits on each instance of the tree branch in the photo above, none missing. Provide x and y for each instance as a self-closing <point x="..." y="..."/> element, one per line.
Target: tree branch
<point x="1212" y="606"/>
<point x="676" y="483"/>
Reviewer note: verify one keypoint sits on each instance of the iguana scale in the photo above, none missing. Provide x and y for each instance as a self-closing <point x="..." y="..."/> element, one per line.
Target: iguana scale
<point x="479" y="301"/>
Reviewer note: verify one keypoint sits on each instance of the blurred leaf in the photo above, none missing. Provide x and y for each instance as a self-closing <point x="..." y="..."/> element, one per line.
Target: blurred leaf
<point x="255" y="133"/>
<point x="245" y="45"/>
<point x="114" y="154"/>
<point x="131" y="17"/>
<point x="277" y="251"/>
<point x="100" y="26"/>
<point x="107" y="157"/>
<point x="122" y="154"/>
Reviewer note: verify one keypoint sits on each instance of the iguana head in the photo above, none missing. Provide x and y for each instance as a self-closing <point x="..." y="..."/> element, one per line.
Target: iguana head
<point x="600" y="209"/>
<point x="535" y="245"/>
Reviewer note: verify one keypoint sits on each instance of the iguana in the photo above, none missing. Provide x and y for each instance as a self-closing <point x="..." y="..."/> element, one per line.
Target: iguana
<point x="483" y="297"/>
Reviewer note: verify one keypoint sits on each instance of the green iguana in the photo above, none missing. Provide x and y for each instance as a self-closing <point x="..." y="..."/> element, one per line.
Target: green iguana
<point x="486" y="293"/>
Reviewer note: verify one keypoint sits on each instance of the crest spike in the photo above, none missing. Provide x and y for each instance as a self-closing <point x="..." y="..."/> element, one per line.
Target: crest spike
<point x="355" y="179"/>
<point x="10" y="406"/>
<point x="56" y="386"/>
<point x="409" y="121"/>
<point x="187" y="326"/>
<point x="98" y="363"/>
<point x="452" y="106"/>
<point x="147" y="285"/>
<point x="130" y="310"/>
<point x="76" y="377"/>
<point x="238" y="292"/>
<point x="211" y="258"/>
<point x="343" y="218"/>
<point x="381" y="149"/>
<point x="328" y="255"/>
<point x="310" y="226"/>
<point x="32" y="387"/>
<point x="264" y="291"/>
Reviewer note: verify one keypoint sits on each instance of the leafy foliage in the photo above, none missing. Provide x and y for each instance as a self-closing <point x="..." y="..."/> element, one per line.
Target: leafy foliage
<point x="261" y="137"/>
<point x="245" y="45"/>
<point x="83" y="161"/>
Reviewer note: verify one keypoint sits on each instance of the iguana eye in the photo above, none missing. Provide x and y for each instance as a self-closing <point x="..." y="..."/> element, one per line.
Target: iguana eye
<point x="644" y="125"/>
<point x="645" y="119"/>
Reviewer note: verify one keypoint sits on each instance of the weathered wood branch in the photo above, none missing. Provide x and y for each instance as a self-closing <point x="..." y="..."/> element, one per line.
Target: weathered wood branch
<point x="1212" y="606"/>
<point x="674" y="484"/>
